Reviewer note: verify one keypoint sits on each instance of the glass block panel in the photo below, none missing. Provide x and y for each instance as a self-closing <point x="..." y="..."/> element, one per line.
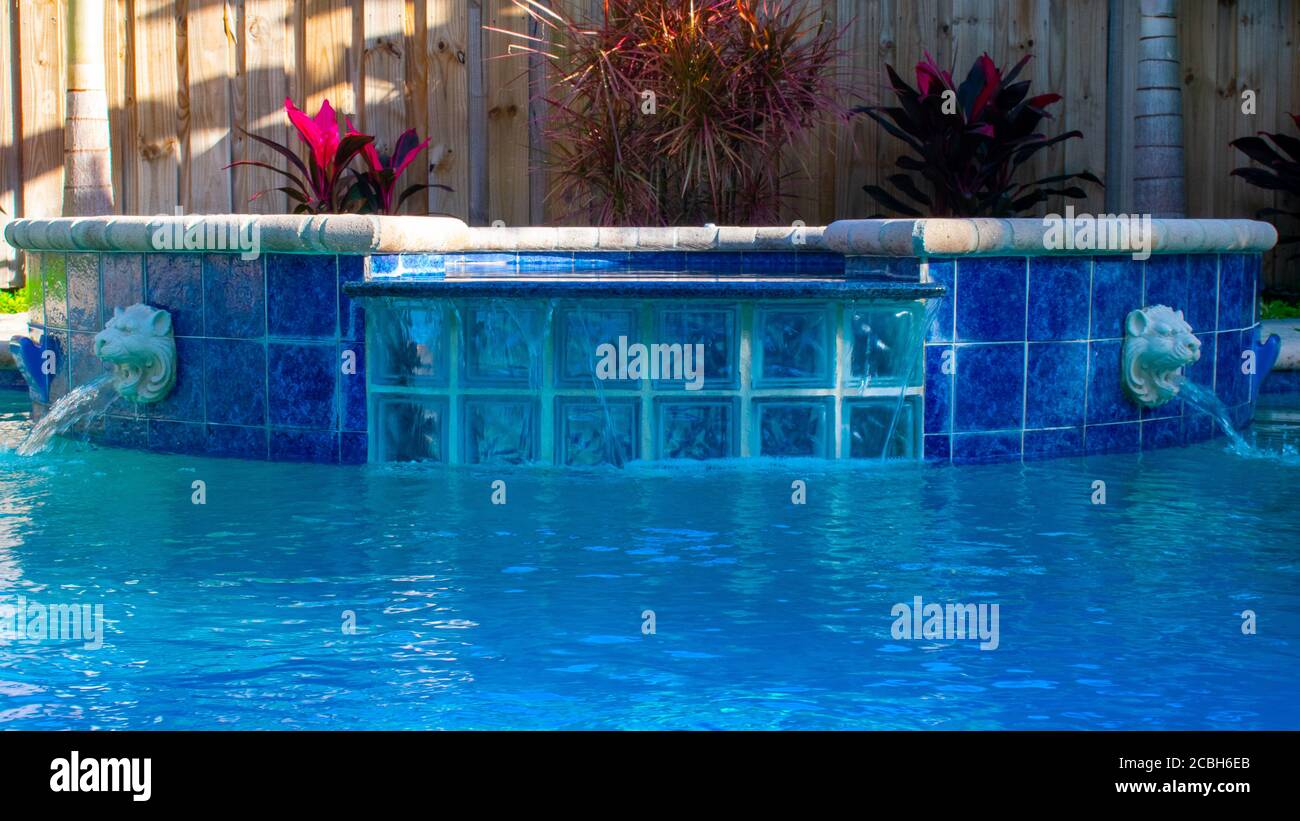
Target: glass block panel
<point x="696" y="430"/>
<point x="867" y="423"/>
<point x="580" y="330"/>
<point x="500" y="430"/>
<point x="592" y="434"/>
<point x="793" y="428"/>
<point x="793" y="347"/>
<point x="409" y="344"/>
<point x="715" y="328"/>
<point x="412" y="429"/>
<point x="883" y="342"/>
<point x="501" y="344"/>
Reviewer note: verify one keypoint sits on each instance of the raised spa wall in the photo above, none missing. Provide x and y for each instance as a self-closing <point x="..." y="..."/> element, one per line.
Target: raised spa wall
<point x="1021" y="358"/>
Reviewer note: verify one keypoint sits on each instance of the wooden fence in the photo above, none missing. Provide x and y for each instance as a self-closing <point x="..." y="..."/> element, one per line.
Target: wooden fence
<point x="185" y="76"/>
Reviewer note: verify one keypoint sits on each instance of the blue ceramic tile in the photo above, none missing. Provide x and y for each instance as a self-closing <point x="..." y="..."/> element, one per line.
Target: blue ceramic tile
<point x="384" y="264"/>
<point x="1043" y="444"/>
<point x="1198" y="427"/>
<point x="581" y="331"/>
<point x="1236" y="292"/>
<point x="234" y="297"/>
<point x="409" y="344"/>
<point x="1276" y="382"/>
<point x="544" y="262"/>
<point x="235" y="381"/>
<point x="938" y="448"/>
<point x="1202" y="370"/>
<point x="302" y="296"/>
<point x="411" y="429"/>
<point x="1166" y="281"/>
<point x="85" y="365"/>
<point x="32" y="269"/>
<point x="1230" y="384"/>
<point x="123" y="281"/>
<point x="125" y="431"/>
<point x="882" y="347"/>
<point x="175" y="282"/>
<point x="352" y="386"/>
<point x="301" y="384"/>
<point x="1116" y="290"/>
<point x="1202" y="291"/>
<point x="1254" y="284"/>
<point x="590" y="433"/>
<point x="352" y="316"/>
<point x="695" y="429"/>
<point x="938" y="388"/>
<point x="499" y="430"/>
<point x="1162" y="433"/>
<point x="985" y="447"/>
<point x="304" y="446"/>
<point x="665" y="261"/>
<point x="1058" y="297"/>
<point x="185" y="401"/>
<point x="796" y="348"/>
<point x="1058" y="384"/>
<point x="991" y="299"/>
<point x="236" y="441"/>
<point x="353" y="448"/>
<point x="714" y="327"/>
<point x="54" y="277"/>
<point x="989" y="388"/>
<point x="501" y="347"/>
<point x="176" y="437"/>
<point x="719" y="262"/>
<point x="941" y="322"/>
<point x="600" y="260"/>
<point x="83" y="292"/>
<point x="868" y="424"/>
<point x="1118" y="438"/>
<point x="1107" y="401"/>
<point x="790" y="428"/>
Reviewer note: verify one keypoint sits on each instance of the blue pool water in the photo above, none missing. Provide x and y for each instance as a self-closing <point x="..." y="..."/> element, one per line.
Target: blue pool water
<point x="768" y="614"/>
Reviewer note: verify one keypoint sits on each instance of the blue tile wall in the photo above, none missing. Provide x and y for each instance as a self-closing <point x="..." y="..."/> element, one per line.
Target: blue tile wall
<point x="245" y="388"/>
<point x="1036" y="344"/>
<point x="1070" y="345"/>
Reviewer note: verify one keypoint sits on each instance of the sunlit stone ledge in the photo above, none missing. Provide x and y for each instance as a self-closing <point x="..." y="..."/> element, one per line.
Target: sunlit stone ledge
<point x="356" y="234"/>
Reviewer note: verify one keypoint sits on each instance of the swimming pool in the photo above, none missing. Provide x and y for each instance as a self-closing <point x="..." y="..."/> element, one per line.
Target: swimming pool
<point x="767" y="614"/>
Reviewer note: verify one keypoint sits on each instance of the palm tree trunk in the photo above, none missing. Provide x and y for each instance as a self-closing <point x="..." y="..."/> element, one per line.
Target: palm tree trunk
<point x="87" y="166"/>
<point x="1158" y="108"/>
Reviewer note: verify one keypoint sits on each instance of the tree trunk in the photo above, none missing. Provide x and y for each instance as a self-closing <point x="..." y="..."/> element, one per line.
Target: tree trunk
<point x="1158" y="114"/>
<point x="87" y="165"/>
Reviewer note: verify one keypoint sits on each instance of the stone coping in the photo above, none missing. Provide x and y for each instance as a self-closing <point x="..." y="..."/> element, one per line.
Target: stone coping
<point x="356" y="234"/>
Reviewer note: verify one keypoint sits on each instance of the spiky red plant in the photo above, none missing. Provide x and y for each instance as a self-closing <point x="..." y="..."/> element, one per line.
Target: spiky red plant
<point x="735" y="83"/>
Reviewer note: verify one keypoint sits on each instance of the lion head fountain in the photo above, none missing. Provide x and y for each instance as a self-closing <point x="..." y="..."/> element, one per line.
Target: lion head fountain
<point x="1158" y="344"/>
<point x="138" y="343"/>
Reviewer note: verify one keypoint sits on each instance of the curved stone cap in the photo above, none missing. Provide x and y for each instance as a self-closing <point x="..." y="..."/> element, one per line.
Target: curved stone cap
<point x="1034" y="237"/>
<point x="361" y="234"/>
<point x="278" y="233"/>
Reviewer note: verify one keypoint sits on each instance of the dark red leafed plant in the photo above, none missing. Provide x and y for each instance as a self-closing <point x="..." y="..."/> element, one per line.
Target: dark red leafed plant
<point x="666" y="112"/>
<point x="319" y="185"/>
<point x="374" y="190"/>
<point x="1281" y="171"/>
<point x="969" y="142"/>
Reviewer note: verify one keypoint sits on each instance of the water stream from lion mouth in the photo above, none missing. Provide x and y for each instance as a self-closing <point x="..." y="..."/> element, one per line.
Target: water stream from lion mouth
<point x="83" y="403"/>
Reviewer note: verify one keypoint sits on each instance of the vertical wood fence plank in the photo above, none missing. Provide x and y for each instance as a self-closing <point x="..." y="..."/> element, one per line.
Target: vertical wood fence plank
<point x="447" y="26"/>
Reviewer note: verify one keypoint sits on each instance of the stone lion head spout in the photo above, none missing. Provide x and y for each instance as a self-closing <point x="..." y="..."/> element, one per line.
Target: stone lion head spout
<point x="1158" y="344"/>
<point x="138" y="343"/>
